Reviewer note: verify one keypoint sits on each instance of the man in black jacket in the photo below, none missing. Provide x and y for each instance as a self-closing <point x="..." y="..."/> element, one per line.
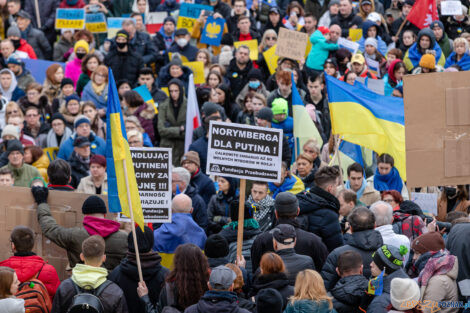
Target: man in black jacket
<point x="140" y="42"/>
<point x="33" y="36"/>
<point x="237" y="71"/>
<point x="201" y="181"/>
<point x="364" y="239"/>
<point x="239" y="9"/>
<point x="124" y="62"/>
<point x="163" y="39"/>
<point x="346" y="18"/>
<point x="319" y="208"/>
<point x="286" y="210"/>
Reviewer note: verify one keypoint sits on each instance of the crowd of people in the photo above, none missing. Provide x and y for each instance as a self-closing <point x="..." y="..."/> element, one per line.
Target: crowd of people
<point x="319" y="240"/>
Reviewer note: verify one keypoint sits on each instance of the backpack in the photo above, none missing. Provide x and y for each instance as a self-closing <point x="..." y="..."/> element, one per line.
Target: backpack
<point x="35" y="295"/>
<point x="409" y="225"/>
<point x="87" y="301"/>
<point x="246" y="252"/>
<point x="170" y="299"/>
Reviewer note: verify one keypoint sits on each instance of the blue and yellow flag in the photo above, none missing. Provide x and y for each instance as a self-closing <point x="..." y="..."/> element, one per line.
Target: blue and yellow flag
<point x="367" y="119"/>
<point x="376" y="285"/>
<point x="117" y="151"/>
<point x="144" y="92"/>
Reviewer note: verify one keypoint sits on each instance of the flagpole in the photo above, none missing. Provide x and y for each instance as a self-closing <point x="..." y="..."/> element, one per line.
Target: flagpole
<point x="241" y="217"/>
<point x="134" y="236"/>
<point x="337" y="141"/>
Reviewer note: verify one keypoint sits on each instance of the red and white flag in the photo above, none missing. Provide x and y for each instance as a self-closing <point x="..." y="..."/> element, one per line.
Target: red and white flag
<point x="423" y="13"/>
<point x="193" y="118"/>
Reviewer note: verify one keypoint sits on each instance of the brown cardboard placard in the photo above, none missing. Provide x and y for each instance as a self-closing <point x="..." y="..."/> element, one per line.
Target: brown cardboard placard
<point x="18" y="208"/>
<point x="291" y="44"/>
<point x="434" y="104"/>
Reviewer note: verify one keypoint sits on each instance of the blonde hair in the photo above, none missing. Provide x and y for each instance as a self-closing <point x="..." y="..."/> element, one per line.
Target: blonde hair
<point x="260" y="97"/>
<point x="312" y="143"/>
<point x="309" y="285"/>
<point x="11" y="106"/>
<point x="268" y="32"/>
<point x="463" y="41"/>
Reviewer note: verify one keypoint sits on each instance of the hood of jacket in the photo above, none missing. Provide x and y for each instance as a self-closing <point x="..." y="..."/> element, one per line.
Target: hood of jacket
<point x="89" y="277"/>
<point x="309" y="306"/>
<point x="276" y="281"/>
<point x="317" y="199"/>
<point x="427" y="32"/>
<point x="150" y="262"/>
<point x="218" y="301"/>
<point x="369" y="240"/>
<point x="318" y="37"/>
<point x="26" y="267"/>
<point x="368" y="24"/>
<point x="388" y="279"/>
<point x="100" y="226"/>
<point x="349" y="289"/>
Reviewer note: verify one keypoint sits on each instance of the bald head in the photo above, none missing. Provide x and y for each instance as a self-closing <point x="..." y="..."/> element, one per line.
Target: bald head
<point x="182" y="204"/>
<point x="335" y="32"/>
<point x="383" y="213"/>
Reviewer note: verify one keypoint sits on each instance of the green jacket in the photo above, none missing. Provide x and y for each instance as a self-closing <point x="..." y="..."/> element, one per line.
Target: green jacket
<point x="71" y="239"/>
<point x="24" y="174"/>
<point x="81" y="83"/>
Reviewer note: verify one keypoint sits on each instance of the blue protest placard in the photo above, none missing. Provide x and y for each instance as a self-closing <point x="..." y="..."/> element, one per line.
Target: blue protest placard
<point x="213" y="31"/>
<point x="70" y="18"/>
<point x="95" y="22"/>
<point x="193" y="10"/>
<point x="38" y="68"/>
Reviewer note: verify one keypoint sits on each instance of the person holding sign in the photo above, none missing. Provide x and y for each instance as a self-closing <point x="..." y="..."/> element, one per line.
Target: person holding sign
<point x="183" y="46"/>
<point x="346" y="18"/>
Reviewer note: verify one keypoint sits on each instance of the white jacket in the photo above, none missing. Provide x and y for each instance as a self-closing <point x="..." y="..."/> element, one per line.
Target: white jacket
<point x="389" y="237"/>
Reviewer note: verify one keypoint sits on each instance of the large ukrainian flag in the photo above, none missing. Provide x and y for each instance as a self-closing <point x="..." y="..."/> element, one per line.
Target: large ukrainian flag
<point x="117" y="150"/>
<point x="367" y="119"/>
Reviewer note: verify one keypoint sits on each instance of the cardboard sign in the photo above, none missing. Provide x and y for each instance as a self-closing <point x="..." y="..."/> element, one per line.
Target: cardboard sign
<point x="189" y="13"/>
<point x="198" y="70"/>
<point x="252" y="45"/>
<point x="213" y="31"/>
<point x="154" y="21"/>
<point x="437" y="129"/>
<point x="426" y="201"/>
<point x="374" y="66"/>
<point x="152" y="168"/>
<point x="244" y="151"/>
<point x="70" y="18"/>
<point x="348" y="44"/>
<point x="355" y="34"/>
<point x="291" y="44"/>
<point x="271" y="59"/>
<point x="96" y="23"/>
<point x="451" y="8"/>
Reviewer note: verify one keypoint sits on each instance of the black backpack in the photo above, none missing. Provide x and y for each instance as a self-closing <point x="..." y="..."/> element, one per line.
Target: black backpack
<point x="87" y="301"/>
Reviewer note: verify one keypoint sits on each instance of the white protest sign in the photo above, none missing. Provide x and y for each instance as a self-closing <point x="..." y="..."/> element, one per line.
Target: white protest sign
<point x="451" y="8"/>
<point x="373" y="66"/>
<point x="348" y="44"/>
<point x="426" y="201"/>
<point x="244" y="151"/>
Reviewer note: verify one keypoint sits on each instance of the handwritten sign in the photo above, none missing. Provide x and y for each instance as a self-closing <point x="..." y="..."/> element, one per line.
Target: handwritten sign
<point x="271" y="58"/>
<point x="252" y="45"/>
<point x="426" y="201"/>
<point x="70" y="18"/>
<point x="213" y="31"/>
<point x="198" y="70"/>
<point x="451" y="8"/>
<point x="96" y="23"/>
<point x="348" y="44"/>
<point x="291" y="44"/>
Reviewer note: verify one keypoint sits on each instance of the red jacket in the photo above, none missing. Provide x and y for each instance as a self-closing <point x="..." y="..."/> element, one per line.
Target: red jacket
<point x="26" y="268"/>
<point x="26" y="47"/>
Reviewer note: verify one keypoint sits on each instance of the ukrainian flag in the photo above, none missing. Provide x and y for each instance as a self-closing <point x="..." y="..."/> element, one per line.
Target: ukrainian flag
<point x="117" y="151"/>
<point x="143" y="91"/>
<point x="367" y="119"/>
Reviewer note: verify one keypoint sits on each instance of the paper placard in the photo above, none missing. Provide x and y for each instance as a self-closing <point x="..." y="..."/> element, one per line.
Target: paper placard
<point x="198" y="70"/>
<point x="374" y="67"/>
<point x="252" y="45"/>
<point x="271" y="58"/>
<point x="348" y="44"/>
<point x="213" y="31"/>
<point x="193" y="10"/>
<point x="114" y="25"/>
<point x="70" y="19"/>
<point x="154" y="21"/>
<point x="355" y="34"/>
<point x="96" y="23"/>
<point x="291" y="44"/>
<point x="426" y="201"/>
<point x="451" y="8"/>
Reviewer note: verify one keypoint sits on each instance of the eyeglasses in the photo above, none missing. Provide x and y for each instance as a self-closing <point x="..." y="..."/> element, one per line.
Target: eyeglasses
<point x="389" y="200"/>
<point x="11" y="112"/>
<point x="271" y="38"/>
<point x="32" y="115"/>
<point x="134" y="142"/>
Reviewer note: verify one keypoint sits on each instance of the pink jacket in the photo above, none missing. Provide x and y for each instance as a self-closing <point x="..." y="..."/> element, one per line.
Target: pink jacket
<point x="73" y="69"/>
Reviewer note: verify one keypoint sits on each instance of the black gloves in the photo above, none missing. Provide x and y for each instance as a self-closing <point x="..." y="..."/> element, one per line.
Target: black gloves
<point x="40" y="194"/>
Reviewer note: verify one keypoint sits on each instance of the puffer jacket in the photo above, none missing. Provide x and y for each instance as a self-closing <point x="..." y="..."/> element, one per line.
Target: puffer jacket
<point x="124" y="65"/>
<point x="309" y="306"/>
<point x="217" y="301"/>
<point x="348" y="293"/>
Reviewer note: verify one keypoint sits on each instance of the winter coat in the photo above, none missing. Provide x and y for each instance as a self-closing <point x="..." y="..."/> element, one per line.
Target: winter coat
<point x="71" y="239"/>
<point x="73" y="69"/>
<point x="42" y="164"/>
<point x="43" y="130"/>
<point x="459" y="245"/>
<point x="309" y="179"/>
<point x="307" y="244"/>
<point x="89" y="94"/>
<point x="454" y="28"/>
<point x="45" y="110"/>
<point x="204" y="184"/>
<point x="276" y="281"/>
<point x="26" y="48"/>
<point x="23" y="175"/>
<point x="348" y="293"/>
<point x="464" y="62"/>
<point x="218" y="209"/>
<point x="381" y="44"/>
<point x="145" y="114"/>
<point x="276" y="94"/>
<point x="125" y="275"/>
<point x="365" y="242"/>
<point x="182" y="229"/>
<point x="12" y="305"/>
<point x="241" y="96"/>
<point x="60" y="50"/>
<point x="38" y="42"/>
<point x="98" y="146"/>
<point x="142" y="45"/>
<point x="24" y="79"/>
<point x="295" y="263"/>
<point x="28" y="267"/>
<point x="221" y="7"/>
<point x="309" y="306"/>
<point x="164" y="77"/>
<point x="189" y="51"/>
<point x="238" y="78"/>
<point x="320" y="50"/>
<point x="51" y="139"/>
<point x="46" y="13"/>
<point x="201" y="147"/>
<point x="389" y="237"/>
<point x="87" y="186"/>
<point x="121" y="7"/>
<point x="112" y="297"/>
<point x="380" y="303"/>
<point x="321" y="210"/>
<point x="83" y="80"/>
<point x="217" y="301"/>
<point x="199" y="207"/>
<point x="125" y="65"/>
<point x="347" y="22"/>
<point x="446" y="45"/>
<point x="232" y="21"/>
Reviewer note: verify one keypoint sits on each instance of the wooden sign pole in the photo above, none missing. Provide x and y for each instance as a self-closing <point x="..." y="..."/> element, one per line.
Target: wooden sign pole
<point x="241" y="217"/>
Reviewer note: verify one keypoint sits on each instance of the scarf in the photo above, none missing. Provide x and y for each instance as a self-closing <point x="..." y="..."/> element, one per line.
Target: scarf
<point x="361" y="190"/>
<point x="441" y="262"/>
<point x="391" y="181"/>
<point x="248" y="223"/>
<point x="98" y="89"/>
<point x="264" y="207"/>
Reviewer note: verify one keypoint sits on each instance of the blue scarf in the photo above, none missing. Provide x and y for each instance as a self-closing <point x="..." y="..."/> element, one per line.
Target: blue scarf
<point x="391" y="181"/>
<point x="287" y="185"/>
<point x="464" y="62"/>
<point x="361" y="190"/>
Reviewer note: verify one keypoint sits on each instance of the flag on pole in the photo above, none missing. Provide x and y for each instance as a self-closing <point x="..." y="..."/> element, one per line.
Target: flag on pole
<point x="193" y="118"/>
<point x="423" y="13"/>
<point x="143" y="91"/>
<point x="117" y="150"/>
<point x="304" y="127"/>
<point x="352" y="150"/>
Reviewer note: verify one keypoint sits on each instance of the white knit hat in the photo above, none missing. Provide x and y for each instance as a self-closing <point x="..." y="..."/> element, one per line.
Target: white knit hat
<point x="11" y="130"/>
<point x="404" y="292"/>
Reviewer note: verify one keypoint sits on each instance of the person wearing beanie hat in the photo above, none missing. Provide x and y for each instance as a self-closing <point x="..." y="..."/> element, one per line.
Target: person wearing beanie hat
<point x="205" y="186"/>
<point x="266" y="115"/>
<point x="97" y="181"/>
<point x="218" y="209"/>
<point x="255" y="83"/>
<point x="404" y="294"/>
<point x="425" y="44"/>
<point x="321" y="48"/>
<point x="22" y="173"/>
<point x="269" y="300"/>
<point x="23" y="76"/>
<point x="370" y="42"/>
<point x="80" y="118"/>
<point x="73" y="68"/>
<point x="431" y="241"/>
<point x="58" y="133"/>
<point x="441" y="37"/>
<point x="282" y="120"/>
<point x="66" y="81"/>
<point x="164" y="38"/>
<point x="10" y="132"/>
<point x="216" y="249"/>
<point x="428" y="63"/>
<point x="80" y="159"/>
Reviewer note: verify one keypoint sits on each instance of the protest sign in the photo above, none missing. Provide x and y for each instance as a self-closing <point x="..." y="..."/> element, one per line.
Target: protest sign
<point x="376" y="85"/>
<point x="213" y="31"/>
<point x="96" y="23"/>
<point x="198" y="70"/>
<point x="291" y="44"/>
<point x="355" y="34"/>
<point x="152" y="168"/>
<point x="451" y="8"/>
<point x="244" y="151"/>
<point x="373" y="66"/>
<point x="70" y="19"/>
<point x="348" y="44"/>
<point x="252" y="45"/>
<point x="38" y="68"/>
<point x="307" y="50"/>
<point x="426" y="201"/>
<point x="189" y="13"/>
<point x="271" y="59"/>
<point x="437" y="129"/>
<point x="154" y="21"/>
<point x="115" y="24"/>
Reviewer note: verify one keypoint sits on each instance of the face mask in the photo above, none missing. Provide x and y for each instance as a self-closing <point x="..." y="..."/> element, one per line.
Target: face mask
<point x="16" y="43"/>
<point x="71" y="2"/>
<point x="121" y="45"/>
<point x="450" y="191"/>
<point x="80" y="55"/>
<point x="181" y="42"/>
<point x="254" y="84"/>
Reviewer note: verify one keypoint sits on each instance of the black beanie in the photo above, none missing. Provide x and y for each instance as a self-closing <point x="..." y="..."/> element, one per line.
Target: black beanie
<point x="269" y="300"/>
<point x="216" y="246"/>
<point x="94" y="204"/>
<point x="15" y="145"/>
<point x="144" y="240"/>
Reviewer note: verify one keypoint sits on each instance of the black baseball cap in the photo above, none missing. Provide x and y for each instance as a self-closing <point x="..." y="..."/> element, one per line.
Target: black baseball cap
<point x="284" y="234"/>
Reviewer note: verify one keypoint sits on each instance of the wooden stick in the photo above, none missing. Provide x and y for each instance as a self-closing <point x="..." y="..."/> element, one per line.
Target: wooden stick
<point x="38" y="17"/>
<point x="134" y="236"/>
<point x="241" y="216"/>
<point x="400" y="29"/>
<point x="337" y="141"/>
